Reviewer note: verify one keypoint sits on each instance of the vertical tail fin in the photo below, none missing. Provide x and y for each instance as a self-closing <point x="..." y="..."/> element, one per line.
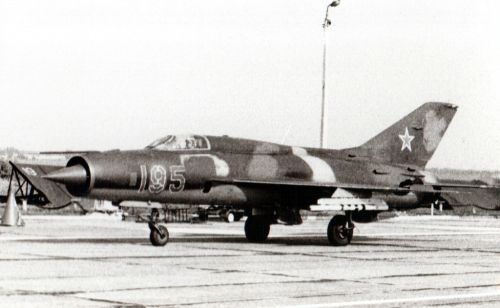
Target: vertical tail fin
<point x="413" y="139"/>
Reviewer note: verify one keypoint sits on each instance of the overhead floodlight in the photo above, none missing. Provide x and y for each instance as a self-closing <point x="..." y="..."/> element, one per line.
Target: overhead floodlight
<point x="327" y="22"/>
<point x="335" y="3"/>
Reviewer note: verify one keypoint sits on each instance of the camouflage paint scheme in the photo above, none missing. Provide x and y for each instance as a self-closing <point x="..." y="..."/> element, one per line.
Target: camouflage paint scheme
<point x="255" y="174"/>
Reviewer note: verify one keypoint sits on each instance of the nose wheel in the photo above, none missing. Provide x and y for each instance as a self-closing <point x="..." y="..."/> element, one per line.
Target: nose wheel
<point x="340" y="230"/>
<point x="159" y="234"/>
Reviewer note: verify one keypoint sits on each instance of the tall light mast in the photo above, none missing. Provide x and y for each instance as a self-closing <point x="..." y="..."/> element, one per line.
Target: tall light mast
<point x="327" y="22"/>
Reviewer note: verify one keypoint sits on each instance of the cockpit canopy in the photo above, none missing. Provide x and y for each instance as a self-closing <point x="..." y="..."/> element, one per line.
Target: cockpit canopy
<point x="180" y="143"/>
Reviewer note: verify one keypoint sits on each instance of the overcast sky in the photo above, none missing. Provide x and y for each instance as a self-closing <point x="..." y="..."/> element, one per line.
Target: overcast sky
<point x="117" y="74"/>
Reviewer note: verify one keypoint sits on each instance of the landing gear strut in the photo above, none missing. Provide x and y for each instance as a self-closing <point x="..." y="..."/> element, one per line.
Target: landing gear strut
<point x="159" y="233"/>
<point x="340" y="230"/>
<point x="257" y="228"/>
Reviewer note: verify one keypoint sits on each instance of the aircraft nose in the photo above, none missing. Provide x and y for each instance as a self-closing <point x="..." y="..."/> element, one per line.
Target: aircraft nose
<point x="72" y="176"/>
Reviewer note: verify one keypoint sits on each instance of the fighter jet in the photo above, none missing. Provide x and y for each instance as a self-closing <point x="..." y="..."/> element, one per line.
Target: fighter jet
<point x="272" y="182"/>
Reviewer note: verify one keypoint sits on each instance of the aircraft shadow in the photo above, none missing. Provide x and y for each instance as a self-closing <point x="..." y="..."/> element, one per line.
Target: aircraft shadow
<point x="289" y="240"/>
<point x="208" y="238"/>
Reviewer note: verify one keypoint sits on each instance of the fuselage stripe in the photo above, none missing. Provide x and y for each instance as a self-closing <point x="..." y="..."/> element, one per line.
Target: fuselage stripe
<point x="321" y="170"/>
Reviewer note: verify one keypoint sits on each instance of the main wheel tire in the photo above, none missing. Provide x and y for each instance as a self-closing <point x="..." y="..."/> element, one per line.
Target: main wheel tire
<point x="338" y="233"/>
<point x="229" y="217"/>
<point x="257" y="228"/>
<point x="156" y="238"/>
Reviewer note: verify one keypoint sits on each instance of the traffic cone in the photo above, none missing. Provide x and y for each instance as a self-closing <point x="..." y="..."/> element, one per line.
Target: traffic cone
<point x="11" y="213"/>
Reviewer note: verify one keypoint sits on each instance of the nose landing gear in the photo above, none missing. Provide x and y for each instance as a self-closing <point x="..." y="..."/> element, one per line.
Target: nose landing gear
<point x="340" y="230"/>
<point x="159" y="233"/>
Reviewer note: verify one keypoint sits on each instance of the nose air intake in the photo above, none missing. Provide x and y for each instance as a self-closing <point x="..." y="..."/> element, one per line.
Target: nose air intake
<point x="76" y="176"/>
<point x="70" y="176"/>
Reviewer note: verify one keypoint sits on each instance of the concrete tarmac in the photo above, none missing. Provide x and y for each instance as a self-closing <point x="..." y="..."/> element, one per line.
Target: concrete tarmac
<point x="102" y="261"/>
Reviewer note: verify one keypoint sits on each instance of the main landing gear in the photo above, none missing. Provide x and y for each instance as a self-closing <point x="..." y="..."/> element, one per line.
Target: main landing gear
<point x="257" y="228"/>
<point x="340" y="230"/>
<point x="159" y="233"/>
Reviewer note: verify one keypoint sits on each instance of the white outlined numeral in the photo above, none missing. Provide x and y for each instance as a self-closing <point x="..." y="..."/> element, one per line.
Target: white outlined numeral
<point x="177" y="179"/>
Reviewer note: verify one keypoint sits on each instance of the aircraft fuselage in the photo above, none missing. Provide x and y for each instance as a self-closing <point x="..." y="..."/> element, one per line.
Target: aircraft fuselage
<point x="191" y="177"/>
